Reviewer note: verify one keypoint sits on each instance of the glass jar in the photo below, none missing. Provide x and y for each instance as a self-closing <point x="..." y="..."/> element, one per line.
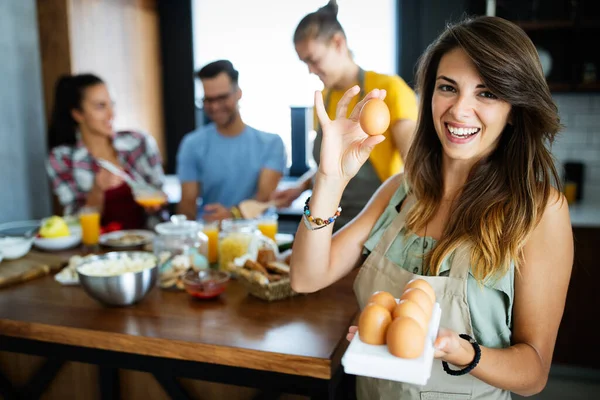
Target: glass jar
<point x="180" y="246"/>
<point x="235" y="236"/>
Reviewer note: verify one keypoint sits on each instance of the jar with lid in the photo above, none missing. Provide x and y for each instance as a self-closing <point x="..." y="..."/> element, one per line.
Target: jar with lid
<point x="180" y="246"/>
<point x="235" y="236"/>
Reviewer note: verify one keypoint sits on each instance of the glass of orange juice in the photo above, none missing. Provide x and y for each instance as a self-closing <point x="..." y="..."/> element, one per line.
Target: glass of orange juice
<point x="211" y="230"/>
<point x="268" y="225"/>
<point x="89" y="218"/>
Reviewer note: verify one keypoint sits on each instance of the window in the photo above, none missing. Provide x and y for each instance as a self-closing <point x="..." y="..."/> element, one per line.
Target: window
<point x="257" y="37"/>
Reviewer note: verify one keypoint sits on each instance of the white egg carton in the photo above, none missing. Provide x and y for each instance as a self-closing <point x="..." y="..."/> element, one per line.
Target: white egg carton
<point x="377" y="362"/>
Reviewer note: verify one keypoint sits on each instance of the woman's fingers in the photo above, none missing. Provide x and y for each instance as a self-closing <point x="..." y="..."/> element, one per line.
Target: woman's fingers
<point x="320" y="109"/>
<point x="353" y="329"/>
<point x="373" y="94"/>
<point x="341" y="110"/>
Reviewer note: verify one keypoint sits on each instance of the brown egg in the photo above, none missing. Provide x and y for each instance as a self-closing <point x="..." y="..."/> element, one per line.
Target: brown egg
<point x="405" y="338"/>
<point x="423" y="285"/>
<point x="419" y="297"/>
<point x="383" y="299"/>
<point x="374" y="117"/>
<point x="373" y="324"/>
<point x="408" y="308"/>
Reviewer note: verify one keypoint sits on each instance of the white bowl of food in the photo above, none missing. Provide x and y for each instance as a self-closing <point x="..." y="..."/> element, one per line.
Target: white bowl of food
<point x="118" y="278"/>
<point x="49" y="239"/>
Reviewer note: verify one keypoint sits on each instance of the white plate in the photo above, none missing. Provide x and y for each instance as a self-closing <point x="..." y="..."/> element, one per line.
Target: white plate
<point x="377" y="362"/>
<point x="283" y="238"/>
<point x="60" y="243"/>
<point x="106" y="239"/>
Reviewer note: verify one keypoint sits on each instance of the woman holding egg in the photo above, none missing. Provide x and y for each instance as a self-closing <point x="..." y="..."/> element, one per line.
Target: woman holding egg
<point x="475" y="215"/>
<point x="320" y="42"/>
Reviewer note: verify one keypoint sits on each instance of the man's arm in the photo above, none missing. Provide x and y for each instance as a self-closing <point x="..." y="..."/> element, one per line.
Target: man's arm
<point x="190" y="191"/>
<point x="267" y="183"/>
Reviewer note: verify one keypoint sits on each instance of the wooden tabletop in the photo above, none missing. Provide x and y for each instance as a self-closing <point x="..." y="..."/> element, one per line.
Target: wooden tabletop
<point x="303" y="335"/>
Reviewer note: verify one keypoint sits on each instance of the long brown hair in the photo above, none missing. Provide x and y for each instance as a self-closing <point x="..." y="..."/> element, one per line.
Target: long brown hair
<point x="506" y="193"/>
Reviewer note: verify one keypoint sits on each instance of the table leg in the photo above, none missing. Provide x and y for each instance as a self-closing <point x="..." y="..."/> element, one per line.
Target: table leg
<point x="108" y="380"/>
<point x="41" y="380"/>
<point x="7" y="390"/>
<point x="172" y="387"/>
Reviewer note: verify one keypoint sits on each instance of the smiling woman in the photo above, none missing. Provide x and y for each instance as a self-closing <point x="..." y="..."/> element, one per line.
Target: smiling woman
<point x="476" y="215"/>
<point x="81" y="132"/>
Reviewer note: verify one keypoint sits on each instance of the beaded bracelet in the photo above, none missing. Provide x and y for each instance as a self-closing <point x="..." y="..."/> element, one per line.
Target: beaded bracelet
<point x="320" y="222"/>
<point x="473" y="363"/>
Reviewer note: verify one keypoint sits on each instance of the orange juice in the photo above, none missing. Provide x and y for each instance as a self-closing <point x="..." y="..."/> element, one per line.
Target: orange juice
<point x="212" y="232"/>
<point x="268" y="227"/>
<point x="571" y="192"/>
<point x="90" y="226"/>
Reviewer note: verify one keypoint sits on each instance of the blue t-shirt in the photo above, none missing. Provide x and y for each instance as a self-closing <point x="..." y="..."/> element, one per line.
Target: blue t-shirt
<point x="228" y="168"/>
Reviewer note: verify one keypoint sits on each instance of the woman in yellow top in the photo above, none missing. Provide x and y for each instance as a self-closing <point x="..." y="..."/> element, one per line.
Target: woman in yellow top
<point x="321" y="43"/>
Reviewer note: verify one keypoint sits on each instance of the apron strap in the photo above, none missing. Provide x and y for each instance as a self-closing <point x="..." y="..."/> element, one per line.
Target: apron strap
<point x="392" y="231"/>
<point x="461" y="262"/>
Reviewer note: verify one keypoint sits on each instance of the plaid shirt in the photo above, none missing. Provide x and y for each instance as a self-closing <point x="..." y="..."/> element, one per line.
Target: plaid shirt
<point x="72" y="168"/>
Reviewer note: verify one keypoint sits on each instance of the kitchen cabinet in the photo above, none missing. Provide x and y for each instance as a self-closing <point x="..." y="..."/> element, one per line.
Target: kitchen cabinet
<point x="566" y="33"/>
<point x="574" y="345"/>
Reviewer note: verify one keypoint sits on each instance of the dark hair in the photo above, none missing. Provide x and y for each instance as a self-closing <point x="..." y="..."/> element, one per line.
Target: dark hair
<point x="507" y="192"/>
<point x="321" y="24"/>
<point x="216" y="67"/>
<point x="68" y="94"/>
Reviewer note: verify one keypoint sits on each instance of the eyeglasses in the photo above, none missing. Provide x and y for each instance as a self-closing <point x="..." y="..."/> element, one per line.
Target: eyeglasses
<point x="217" y="99"/>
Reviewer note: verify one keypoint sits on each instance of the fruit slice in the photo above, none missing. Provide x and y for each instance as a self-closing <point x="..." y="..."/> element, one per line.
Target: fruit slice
<point x="54" y="227"/>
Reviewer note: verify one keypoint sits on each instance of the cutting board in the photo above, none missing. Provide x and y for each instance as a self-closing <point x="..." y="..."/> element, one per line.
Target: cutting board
<point x="31" y="266"/>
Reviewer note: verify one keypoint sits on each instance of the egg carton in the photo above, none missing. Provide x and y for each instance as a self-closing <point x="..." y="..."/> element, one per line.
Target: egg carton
<point x="377" y="362"/>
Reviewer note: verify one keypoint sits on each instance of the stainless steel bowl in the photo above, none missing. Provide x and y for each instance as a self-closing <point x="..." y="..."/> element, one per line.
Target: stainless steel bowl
<point x="119" y="290"/>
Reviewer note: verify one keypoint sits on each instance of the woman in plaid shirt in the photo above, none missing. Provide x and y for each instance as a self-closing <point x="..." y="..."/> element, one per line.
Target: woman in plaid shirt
<point x="81" y="131"/>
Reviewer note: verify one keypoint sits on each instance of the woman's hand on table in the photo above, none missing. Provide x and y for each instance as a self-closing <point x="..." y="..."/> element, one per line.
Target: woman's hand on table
<point x="345" y="146"/>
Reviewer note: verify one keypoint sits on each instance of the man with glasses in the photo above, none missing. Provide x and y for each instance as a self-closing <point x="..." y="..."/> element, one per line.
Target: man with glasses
<point x="226" y="161"/>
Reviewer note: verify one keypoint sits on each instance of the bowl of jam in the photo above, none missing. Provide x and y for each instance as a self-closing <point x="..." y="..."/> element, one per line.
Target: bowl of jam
<point x="206" y="283"/>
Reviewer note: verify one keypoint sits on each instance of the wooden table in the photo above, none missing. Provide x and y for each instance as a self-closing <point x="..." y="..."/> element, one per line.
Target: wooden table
<point x="291" y="346"/>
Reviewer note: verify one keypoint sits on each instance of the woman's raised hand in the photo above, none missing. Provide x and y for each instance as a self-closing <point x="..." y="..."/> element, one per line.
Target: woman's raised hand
<point x="345" y="146"/>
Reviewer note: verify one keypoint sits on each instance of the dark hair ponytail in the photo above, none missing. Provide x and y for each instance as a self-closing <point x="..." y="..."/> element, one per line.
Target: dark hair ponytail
<point x="68" y="94"/>
<point x="321" y="24"/>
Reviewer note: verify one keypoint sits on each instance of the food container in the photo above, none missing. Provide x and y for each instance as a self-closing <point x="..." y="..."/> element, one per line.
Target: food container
<point x="234" y="239"/>
<point x="180" y="246"/>
<point x="377" y="362"/>
<point x="206" y="283"/>
<point x="272" y="291"/>
<point x="118" y="278"/>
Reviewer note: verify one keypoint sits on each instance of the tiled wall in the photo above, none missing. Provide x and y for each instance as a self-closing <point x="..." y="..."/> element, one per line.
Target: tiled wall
<point x="580" y="139"/>
<point x="23" y="184"/>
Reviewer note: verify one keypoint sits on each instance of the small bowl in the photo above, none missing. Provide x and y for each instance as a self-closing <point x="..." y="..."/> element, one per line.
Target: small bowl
<point x="149" y="197"/>
<point x="119" y="290"/>
<point x="205" y="284"/>
<point x="16" y="238"/>
<point x="15" y="247"/>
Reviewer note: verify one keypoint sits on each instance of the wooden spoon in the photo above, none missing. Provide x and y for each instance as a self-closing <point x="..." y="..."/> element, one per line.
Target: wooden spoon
<point x="253" y="208"/>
